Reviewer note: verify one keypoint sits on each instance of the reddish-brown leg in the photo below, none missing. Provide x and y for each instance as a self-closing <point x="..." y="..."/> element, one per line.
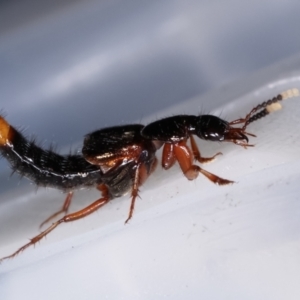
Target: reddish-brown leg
<point x="184" y="157"/>
<point x="168" y="157"/>
<point x="67" y="218"/>
<point x="197" y="155"/>
<point x="141" y="174"/>
<point x="64" y="209"/>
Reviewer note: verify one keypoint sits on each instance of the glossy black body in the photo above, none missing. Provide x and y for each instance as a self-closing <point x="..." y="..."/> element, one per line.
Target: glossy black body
<point x="178" y="128"/>
<point x="47" y="168"/>
<point x="110" y="156"/>
<point x="118" y="151"/>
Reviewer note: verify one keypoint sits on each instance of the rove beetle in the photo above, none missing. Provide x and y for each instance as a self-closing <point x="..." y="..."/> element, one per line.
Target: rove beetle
<point x="119" y="159"/>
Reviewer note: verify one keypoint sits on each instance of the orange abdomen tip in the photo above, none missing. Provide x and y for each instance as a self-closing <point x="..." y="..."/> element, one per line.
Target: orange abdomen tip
<point x="5" y="132"/>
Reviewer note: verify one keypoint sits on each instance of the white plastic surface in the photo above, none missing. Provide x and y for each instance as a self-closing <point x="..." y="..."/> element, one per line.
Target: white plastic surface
<point x="187" y="240"/>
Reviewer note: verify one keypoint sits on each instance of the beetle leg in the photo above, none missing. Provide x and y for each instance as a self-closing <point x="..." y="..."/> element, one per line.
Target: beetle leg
<point x="140" y="176"/>
<point x="67" y="218"/>
<point x="168" y="157"/>
<point x="64" y="209"/>
<point x="197" y="154"/>
<point x="184" y="157"/>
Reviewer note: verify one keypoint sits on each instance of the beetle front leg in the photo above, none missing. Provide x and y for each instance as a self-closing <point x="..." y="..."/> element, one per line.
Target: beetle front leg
<point x="197" y="154"/>
<point x="185" y="157"/>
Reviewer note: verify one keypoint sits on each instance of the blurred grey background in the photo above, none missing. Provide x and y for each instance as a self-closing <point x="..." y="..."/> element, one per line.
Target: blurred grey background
<point x="70" y="67"/>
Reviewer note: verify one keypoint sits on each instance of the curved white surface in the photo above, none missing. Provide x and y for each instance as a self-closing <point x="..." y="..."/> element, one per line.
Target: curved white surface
<point x="190" y="240"/>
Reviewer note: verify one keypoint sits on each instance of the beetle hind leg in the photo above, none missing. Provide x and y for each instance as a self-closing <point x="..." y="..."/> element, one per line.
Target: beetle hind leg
<point x="67" y="218"/>
<point x="64" y="209"/>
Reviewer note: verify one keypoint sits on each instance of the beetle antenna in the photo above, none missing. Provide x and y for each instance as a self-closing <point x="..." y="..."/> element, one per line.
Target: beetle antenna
<point x="269" y="106"/>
